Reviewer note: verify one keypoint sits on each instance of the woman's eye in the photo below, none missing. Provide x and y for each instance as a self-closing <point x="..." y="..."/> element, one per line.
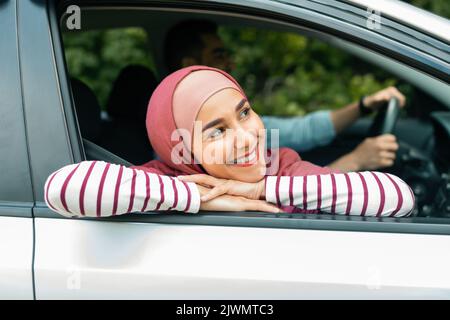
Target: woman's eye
<point x="216" y="132"/>
<point x="245" y="112"/>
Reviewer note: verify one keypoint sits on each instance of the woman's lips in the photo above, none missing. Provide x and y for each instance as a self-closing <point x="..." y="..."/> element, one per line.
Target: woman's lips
<point x="249" y="159"/>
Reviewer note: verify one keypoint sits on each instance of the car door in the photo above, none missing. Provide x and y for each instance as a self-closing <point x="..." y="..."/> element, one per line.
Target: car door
<point x="211" y="255"/>
<point x="16" y="197"/>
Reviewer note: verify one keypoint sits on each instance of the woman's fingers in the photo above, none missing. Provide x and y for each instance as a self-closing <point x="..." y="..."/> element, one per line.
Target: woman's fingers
<point x="201" y="179"/>
<point x="230" y="203"/>
<point x="202" y="189"/>
<point x="214" y="193"/>
<point x="261" y="205"/>
<point x="267" y="207"/>
<point x="221" y="186"/>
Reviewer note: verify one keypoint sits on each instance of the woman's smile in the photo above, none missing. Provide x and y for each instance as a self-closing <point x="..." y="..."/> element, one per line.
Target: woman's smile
<point x="247" y="160"/>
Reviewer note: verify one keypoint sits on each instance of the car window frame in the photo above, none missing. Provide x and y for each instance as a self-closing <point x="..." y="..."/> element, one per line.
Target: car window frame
<point x="251" y="219"/>
<point x="52" y="130"/>
<point x="16" y="194"/>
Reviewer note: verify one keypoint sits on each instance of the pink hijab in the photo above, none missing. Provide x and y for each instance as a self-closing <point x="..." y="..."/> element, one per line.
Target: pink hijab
<point x="175" y="104"/>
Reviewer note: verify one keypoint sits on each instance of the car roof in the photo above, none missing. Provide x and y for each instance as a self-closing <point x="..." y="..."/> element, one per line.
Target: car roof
<point x="406" y="13"/>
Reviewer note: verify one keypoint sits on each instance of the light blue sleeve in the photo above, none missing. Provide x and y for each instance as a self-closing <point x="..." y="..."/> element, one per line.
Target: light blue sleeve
<point x="301" y="133"/>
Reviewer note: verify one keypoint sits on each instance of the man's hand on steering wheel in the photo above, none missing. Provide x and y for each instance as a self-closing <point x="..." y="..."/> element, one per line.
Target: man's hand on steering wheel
<point x="374" y="153"/>
<point x="379" y="151"/>
<point x="381" y="97"/>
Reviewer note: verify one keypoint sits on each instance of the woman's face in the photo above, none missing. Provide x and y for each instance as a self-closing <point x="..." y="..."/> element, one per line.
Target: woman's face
<point x="229" y="140"/>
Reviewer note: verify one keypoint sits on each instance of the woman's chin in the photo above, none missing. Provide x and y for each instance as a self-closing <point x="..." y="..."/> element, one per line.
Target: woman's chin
<point x="248" y="174"/>
<point x="250" y="179"/>
<point x="244" y="173"/>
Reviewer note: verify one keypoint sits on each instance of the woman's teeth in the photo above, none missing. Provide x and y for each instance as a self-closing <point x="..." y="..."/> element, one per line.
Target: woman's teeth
<point x="246" y="159"/>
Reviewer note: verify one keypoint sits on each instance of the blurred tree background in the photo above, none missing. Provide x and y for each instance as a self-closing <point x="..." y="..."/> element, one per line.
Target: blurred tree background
<point x="96" y="57"/>
<point x="282" y="73"/>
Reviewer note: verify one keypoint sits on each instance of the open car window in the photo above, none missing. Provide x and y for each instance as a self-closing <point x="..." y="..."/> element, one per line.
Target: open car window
<point x="286" y="73"/>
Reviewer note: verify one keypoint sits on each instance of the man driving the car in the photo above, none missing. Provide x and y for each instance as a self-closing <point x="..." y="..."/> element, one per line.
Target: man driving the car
<point x="196" y="42"/>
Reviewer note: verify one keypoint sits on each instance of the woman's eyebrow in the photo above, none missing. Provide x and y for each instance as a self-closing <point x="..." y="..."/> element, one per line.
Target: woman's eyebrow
<point x="240" y="104"/>
<point x="212" y="124"/>
<point x="220" y="120"/>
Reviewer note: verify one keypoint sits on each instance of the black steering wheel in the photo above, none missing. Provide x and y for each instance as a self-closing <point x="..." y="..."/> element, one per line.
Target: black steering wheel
<point x="386" y="119"/>
<point x="384" y="122"/>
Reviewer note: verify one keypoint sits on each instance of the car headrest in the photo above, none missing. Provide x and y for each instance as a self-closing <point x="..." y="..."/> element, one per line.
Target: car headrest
<point x="131" y="93"/>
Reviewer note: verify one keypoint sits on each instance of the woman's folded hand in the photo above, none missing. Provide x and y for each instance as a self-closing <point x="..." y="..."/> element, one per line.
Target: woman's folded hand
<point x="230" y="195"/>
<point x="227" y="202"/>
<point x="217" y="186"/>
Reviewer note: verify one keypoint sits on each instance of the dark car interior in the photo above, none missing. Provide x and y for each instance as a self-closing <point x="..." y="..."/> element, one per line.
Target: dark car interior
<point x="420" y="161"/>
<point x="423" y="159"/>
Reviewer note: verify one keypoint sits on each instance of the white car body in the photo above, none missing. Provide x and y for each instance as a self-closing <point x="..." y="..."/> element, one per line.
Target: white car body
<point x="90" y="260"/>
<point x="57" y="258"/>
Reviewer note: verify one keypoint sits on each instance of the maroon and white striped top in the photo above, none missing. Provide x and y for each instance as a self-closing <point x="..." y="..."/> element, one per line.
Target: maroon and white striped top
<point x="365" y="193"/>
<point x="100" y="189"/>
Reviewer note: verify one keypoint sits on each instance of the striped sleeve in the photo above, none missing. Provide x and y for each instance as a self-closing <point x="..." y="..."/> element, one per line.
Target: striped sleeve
<point x="355" y="193"/>
<point x="101" y="189"/>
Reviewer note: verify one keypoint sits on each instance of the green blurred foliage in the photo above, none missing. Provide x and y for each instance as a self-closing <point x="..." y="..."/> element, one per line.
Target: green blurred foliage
<point x="440" y="7"/>
<point x="287" y="74"/>
<point x="96" y="57"/>
<point x="282" y="73"/>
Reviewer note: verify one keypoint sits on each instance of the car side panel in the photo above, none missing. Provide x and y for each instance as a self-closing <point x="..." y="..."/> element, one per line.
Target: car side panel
<point x="109" y="260"/>
<point x="16" y="252"/>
